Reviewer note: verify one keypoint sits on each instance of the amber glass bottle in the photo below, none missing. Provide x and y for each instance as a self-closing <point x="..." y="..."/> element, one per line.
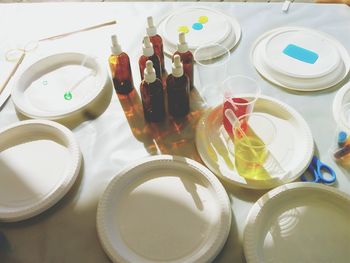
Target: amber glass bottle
<point x="152" y="95"/>
<point x="186" y="57"/>
<point x="119" y="64"/>
<point x="156" y="40"/>
<point x="178" y="90"/>
<point x="148" y="54"/>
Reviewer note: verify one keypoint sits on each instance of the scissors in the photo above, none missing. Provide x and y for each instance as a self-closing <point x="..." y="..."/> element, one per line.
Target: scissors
<point x="317" y="169"/>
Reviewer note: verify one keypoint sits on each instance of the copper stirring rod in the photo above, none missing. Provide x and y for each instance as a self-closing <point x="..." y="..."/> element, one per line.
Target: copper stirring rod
<point x="19" y="62"/>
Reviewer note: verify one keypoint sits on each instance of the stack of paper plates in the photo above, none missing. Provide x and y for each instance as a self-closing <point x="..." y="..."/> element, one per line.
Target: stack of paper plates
<point x="39" y="162"/>
<point x="341" y="98"/>
<point x="202" y="26"/>
<point x="291" y="150"/>
<point x="164" y="209"/>
<point x="300" y="58"/>
<point x="299" y="222"/>
<point x="59" y="85"/>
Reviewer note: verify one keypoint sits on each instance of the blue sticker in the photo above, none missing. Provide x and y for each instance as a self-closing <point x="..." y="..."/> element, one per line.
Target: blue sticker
<point x="301" y="54"/>
<point x="197" y="26"/>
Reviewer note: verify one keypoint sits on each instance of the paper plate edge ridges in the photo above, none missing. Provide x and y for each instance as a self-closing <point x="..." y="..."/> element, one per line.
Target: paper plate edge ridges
<point x="38" y="114"/>
<point x="271" y="79"/>
<point x="249" y="242"/>
<point x="271" y="183"/>
<point x="69" y="179"/>
<point x="223" y="229"/>
<point x="236" y="27"/>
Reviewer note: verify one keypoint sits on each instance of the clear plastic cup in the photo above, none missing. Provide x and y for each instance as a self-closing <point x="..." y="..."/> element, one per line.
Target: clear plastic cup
<point x="239" y="94"/>
<point x="211" y="64"/>
<point x="253" y="133"/>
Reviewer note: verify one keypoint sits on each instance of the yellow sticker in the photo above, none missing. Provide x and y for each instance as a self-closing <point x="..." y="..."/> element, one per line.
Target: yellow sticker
<point x="203" y="19"/>
<point x="183" y="29"/>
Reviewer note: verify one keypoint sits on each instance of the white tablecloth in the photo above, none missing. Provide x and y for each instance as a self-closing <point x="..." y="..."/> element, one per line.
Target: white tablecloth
<point x="67" y="232"/>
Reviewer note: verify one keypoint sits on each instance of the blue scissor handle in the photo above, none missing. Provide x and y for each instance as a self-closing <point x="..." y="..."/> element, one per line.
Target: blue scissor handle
<point x="324" y="167"/>
<point x="316" y="167"/>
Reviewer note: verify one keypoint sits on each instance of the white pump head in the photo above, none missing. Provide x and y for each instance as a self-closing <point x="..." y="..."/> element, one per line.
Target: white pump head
<point x="177" y="68"/>
<point x="182" y="46"/>
<point x="147" y="47"/>
<point x="149" y="72"/>
<point x="151" y="29"/>
<point x="115" y="48"/>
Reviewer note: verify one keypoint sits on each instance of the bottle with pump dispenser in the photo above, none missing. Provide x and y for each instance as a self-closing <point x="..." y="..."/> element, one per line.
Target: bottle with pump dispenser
<point x="178" y="89"/>
<point x="148" y="54"/>
<point x="186" y="57"/>
<point x="156" y="40"/>
<point x="119" y="64"/>
<point x="152" y="95"/>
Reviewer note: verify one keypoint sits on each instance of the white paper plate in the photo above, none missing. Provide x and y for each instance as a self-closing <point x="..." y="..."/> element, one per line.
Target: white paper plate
<point x="331" y="67"/>
<point x="299" y="222"/>
<point x="39" y="162"/>
<point x="39" y="90"/>
<point x="342" y="97"/>
<point x="220" y="28"/>
<point x="293" y="145"/>
<point x="164" y="209"/>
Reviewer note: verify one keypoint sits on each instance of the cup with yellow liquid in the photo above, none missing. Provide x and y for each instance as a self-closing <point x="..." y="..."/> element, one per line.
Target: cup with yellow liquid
<point x="253" y="133"/>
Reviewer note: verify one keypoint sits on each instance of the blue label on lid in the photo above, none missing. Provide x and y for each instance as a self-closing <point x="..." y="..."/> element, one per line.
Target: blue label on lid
<point x="301" y="54"/>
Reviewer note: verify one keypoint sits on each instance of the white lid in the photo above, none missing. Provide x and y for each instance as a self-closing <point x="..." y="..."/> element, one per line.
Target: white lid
<point x="151" y="29"/>
<point x="177" y="68"/>
<point x="219" y="28"/>
<point x="40" y="89"/>
<point x="182" y="46"/>
<point x="116" y="48"/>
<point x="39" y="162"/>
<point x="174" y="210"/>
<point x="147" y="47"/>
<point x="300" y="58"/>
<point x="149" y="72"/>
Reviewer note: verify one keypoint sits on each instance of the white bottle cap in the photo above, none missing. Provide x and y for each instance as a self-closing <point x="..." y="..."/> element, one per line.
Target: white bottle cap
<point x="177" y="69"/>
<point x="115" y="48"/>
<point x="149" y="72"/>
<point x="182" y="46"/>
<point x="147" y="47"/>
<point x="151" y="29"/>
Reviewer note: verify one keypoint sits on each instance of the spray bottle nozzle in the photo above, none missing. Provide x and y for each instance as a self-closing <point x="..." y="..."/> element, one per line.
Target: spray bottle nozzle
<point x="182" y="46"/>
<point x="177" y="69"/>
<point x="116" y="48"/>
<point x="182" y="39"/>
<point x="151" y="29"/>
<point x="147" y="47"/>
<point x="149" y="72"/>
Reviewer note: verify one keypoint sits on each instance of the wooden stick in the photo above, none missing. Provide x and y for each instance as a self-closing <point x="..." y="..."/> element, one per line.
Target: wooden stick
<point x="19" y="62"/>
<point x="78" y="31"/>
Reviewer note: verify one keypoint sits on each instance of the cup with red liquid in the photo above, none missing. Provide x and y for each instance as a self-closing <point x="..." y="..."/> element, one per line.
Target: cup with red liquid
<point x="239" y="94"/>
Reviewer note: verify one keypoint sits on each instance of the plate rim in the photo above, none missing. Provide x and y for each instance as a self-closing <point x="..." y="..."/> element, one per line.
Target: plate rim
<point x="249" y="242"/>
<point x="340" y="47"/>
<point x="272" y="183"/>
<point x="236" y="27"/>
<point x="338" y="101"/>
<point x="62" y="187"/>
<point x="223" y="229"/>
<point x="56" y="115"/>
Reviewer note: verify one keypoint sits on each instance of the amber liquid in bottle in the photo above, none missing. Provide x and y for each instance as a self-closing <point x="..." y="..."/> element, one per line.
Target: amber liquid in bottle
<point x="157" y="43"/>
<point x="178" y="90"/>
<point x="156" y="64"/>
<point x="121" y="73"/>
<point x="153" y="101"/>
<point x="187" y="61"/>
